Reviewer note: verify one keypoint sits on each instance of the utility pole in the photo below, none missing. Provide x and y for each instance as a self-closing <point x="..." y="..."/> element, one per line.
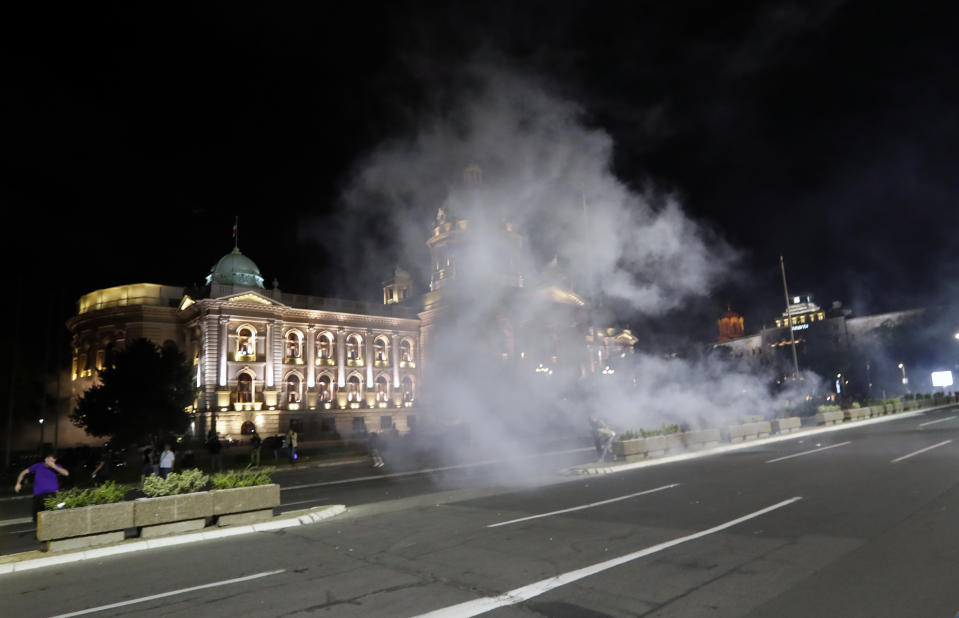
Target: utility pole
<point x="789" y="320"/>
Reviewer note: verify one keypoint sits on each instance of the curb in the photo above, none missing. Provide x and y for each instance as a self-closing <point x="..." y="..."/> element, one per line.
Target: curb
<point x="27" y="561"/>
<point x="594" y="469"/>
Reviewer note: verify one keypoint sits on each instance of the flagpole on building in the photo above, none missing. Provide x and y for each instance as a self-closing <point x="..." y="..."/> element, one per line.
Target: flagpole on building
<point x="789" y="320"/>
<point x="236" y="234"/>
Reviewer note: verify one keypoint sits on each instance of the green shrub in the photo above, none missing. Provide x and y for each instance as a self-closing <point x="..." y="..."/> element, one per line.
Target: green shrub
<point x="249" y="477"/>
<point x="628" y="435"/>
<point x="108" y="493"/>
<point x="186" y="482"/>
<point x="825" y="408"/>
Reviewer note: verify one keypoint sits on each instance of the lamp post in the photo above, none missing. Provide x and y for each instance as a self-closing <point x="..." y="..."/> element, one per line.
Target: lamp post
<point x="41" y="436"/>
<point x="905" y="380"/>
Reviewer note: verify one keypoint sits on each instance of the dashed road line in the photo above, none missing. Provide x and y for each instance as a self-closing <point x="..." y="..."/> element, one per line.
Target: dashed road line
<point x="922" y="450"/>
<point x="815" y="450"/>
<point x="941" y="420"/>
<point x="583" y="506"/>
<point x="519" y="595"/>
<point x="152" y="597"/>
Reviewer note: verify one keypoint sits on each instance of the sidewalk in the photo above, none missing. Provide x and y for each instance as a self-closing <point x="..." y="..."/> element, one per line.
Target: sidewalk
<point x="609" y="467"/>
<point x="25" y="561"/>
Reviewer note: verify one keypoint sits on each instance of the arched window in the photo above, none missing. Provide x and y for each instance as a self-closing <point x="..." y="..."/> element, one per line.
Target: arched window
<point x="324" y="349"/>
<point x="245" y="343"/>
<point x="381" y="352"/>
<point x="407" y="386"/>
<point x="354" y="350"/>
<point x="325" y="387"/>
<point x="382" y="389"/>
<point x="293" y="348"/>
<point x="353" y="388"/>
<point x="406" y="353"/>
<point x="247" y="428"/>
<point x="244" y="388"/>
<point x="293" y="388"/>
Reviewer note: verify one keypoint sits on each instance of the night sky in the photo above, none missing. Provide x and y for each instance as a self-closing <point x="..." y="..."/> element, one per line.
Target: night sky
<point x="823" y="131"/>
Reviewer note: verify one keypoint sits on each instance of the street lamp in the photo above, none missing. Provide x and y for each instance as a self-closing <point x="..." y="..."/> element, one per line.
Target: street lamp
<point x="905" y="380"/>
<point x="41" y="433"/>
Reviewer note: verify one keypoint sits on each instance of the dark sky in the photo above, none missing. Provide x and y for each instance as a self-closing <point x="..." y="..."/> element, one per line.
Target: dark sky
<point x="823" y="131"/>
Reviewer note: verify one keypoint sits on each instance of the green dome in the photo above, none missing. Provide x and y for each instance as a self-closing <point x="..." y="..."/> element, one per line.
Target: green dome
<point x="236" y="269"/>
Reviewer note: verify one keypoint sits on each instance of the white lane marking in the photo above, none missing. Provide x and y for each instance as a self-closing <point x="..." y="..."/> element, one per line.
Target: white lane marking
<point x="485" y="462"/>
<point x="922" y="450"/>
<point x="942" y="420"/>
<point x="584" y="506"/>
<point x="225" y="582"/>
<point x="21" y="530"/>
<point x="13" y="522"/>
<point x="480" y="606"/>
<point x="305" y="501"/>
<point x="815" y="450"/>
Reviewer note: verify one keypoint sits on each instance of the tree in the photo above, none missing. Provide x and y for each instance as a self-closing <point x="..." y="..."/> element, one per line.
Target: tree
<point x="142" y="394"/>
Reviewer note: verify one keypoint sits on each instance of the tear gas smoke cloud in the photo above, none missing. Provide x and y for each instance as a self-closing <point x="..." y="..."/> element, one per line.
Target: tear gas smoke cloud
<point x="549" y="175"/>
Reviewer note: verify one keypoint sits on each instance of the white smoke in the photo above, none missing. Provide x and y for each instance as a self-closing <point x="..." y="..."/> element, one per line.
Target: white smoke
<point x="549" y="174"/>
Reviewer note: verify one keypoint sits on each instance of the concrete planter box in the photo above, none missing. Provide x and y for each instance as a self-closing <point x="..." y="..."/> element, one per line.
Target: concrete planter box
<point x="854" y="414"/>
<point x="84" y="526"/>
<point x="748" y="431"/>
<point x="898" y="406"/>
<point x="890" y="409"/>
<point x="786" y="425"/>
<point x="704" y="438"/>
<point x="829" y="418"/>
<point x="868" y="412"/>
<point x="644" y="448"/>
<point x="165" y="509"/>
<point x="242" y="499"/>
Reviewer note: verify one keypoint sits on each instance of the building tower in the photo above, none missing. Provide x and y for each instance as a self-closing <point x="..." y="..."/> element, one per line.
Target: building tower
<point x="730" y="326"/>
<point x="397" y="288"/>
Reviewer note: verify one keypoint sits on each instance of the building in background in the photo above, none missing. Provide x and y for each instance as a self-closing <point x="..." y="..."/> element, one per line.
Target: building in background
<point x="859" y="351"/>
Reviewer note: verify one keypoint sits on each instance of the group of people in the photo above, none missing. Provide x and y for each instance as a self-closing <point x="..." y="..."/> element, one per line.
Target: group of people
<point x="159" y="465"/>
<point x="289" y="442"/>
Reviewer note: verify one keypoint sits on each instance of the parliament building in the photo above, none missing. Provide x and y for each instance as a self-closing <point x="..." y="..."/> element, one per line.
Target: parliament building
<point x="271" y="360"/>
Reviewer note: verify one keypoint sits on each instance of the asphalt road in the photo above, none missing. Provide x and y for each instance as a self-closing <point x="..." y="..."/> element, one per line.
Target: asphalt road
<point x="858" y="522"/>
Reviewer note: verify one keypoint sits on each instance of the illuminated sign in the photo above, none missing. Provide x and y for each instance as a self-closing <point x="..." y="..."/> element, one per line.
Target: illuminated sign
<point x="942" y="378"/>
<point x="800" y="326"/>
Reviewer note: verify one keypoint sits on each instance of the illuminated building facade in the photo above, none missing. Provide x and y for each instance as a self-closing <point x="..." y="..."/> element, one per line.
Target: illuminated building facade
<point x="265" y="358"/>
<point x="271" y="360"/>
<point x="826" y="341"/>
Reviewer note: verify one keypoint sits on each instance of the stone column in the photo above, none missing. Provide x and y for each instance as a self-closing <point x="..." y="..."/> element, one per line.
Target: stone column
<point x="340" y="358"/>
<point x="222" y="354"/>
<point x="268" y="353"/>
<point x="310" y="357"/>
<point x="395" y="355"/>
<point x="369" y="358"/>
<point x="269" y="380"/>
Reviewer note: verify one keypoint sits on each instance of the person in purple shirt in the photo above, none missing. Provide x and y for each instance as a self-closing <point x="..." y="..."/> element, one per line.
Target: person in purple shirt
<point x="45" y="481"/>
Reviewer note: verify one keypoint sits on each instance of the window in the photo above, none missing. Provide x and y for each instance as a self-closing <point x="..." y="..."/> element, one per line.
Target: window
<point x="324" y="349"/>
<point x="407" y="386"/>
<point x="244" y="388"/>
<point x="353" y="389"/>
<point x="386" y="423"/>
<point x="294" y="348"/>
<point x="293" y="389"/>
<point x="245" y="343"/>
<point x="381" y="351"/>
<point x="406" y="353"/>
<point x="325" y="387"/>
<point x="382" y="390"/>
<point x="359" y="425"/>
